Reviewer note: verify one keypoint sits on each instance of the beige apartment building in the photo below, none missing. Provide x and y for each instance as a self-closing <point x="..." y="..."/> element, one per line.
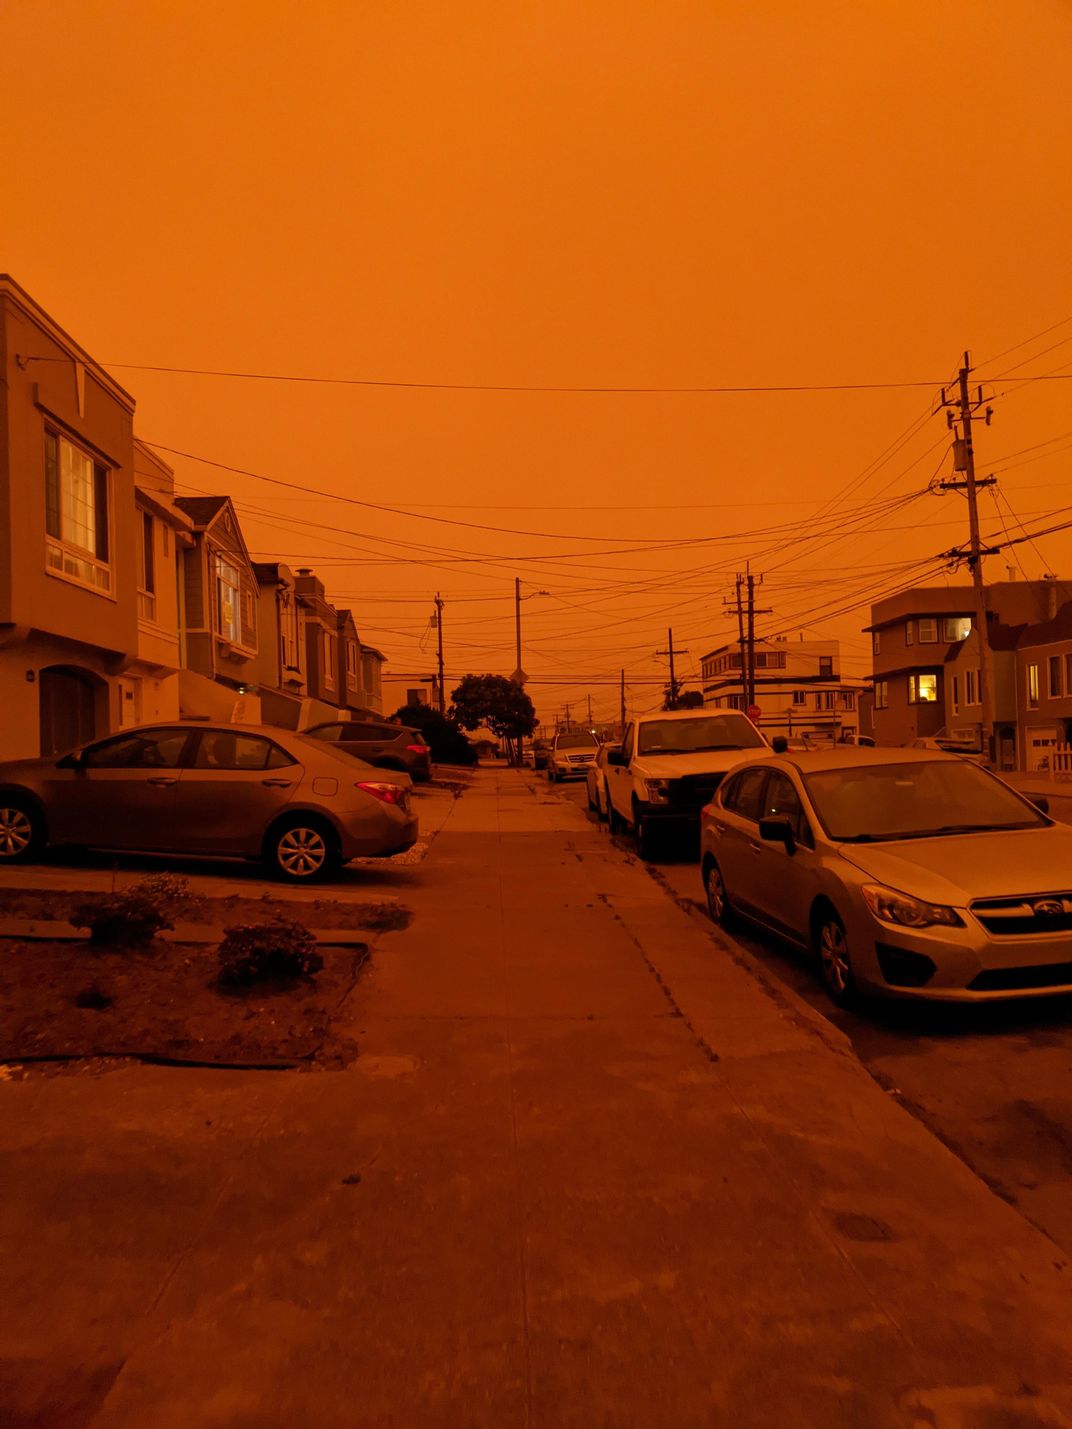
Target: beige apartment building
<point x="800" y="689"/>
<point x="68" y="535"/>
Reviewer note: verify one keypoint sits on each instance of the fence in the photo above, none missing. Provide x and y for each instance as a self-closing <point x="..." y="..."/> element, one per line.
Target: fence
<point x="1060" y="756"/>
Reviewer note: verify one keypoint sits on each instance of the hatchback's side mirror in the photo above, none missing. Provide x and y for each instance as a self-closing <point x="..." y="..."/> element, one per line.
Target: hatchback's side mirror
<point x="1041" y="803"/>
<point x="779" y="744"/>
<point x="778" y="831"/>
<point x="75" y="760"/>
<point x="615" y="756"/>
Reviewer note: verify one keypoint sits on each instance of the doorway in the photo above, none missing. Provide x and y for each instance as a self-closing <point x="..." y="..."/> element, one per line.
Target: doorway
<point x="67" y="706"/>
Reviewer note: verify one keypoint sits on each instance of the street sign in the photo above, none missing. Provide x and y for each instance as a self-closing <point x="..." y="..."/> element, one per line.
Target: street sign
<point x="519" y="677"/>
<point x="753" y="712"/>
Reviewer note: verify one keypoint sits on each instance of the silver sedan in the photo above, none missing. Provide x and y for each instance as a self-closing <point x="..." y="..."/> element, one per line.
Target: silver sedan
<point x="906" y="872"/>
<point x="245" y="791"/>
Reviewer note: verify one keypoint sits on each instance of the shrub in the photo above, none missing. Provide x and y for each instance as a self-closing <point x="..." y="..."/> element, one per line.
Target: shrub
<point x="445" y="740"/>
<point x="279" y="951"/>
<point x="134" y="916"/>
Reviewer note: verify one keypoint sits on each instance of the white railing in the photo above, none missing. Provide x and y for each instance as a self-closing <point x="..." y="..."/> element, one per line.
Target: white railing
<point x="1060" y="761"/>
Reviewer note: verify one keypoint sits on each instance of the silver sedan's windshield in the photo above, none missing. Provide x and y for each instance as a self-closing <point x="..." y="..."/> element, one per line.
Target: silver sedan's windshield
<point x="690" y="736"/>
<point x="912" y="801"/>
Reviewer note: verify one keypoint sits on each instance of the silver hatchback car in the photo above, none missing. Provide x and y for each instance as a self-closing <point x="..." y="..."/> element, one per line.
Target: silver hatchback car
<point x="908" y="873"/>
<point x="245" y="791"/>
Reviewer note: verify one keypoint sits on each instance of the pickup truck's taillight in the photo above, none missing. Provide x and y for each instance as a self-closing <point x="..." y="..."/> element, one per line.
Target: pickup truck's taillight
<point x="389" y="793"/>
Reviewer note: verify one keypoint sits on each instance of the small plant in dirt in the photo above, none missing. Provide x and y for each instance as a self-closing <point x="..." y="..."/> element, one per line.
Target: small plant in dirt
<point x="279" y="951"/>
<point x="134" y="916"/>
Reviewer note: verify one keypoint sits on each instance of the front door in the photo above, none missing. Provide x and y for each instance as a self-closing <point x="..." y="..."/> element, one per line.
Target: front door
<point x="123" y="794"/>
<point x="67" y="704"/>
<point x="234" y="786"/>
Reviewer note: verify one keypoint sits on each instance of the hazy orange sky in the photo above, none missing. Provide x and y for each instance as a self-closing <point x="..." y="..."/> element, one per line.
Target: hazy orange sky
<point x="598" y="195"/>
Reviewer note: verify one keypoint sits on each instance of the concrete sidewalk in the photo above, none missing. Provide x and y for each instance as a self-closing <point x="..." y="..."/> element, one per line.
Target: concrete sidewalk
<point x="586" y="1171"/>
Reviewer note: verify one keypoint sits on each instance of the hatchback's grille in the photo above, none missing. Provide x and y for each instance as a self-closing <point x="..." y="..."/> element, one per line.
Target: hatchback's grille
<point x="1042" y="913"/>
<point x="1009" y="979"/>
<point x="690" y="793"/>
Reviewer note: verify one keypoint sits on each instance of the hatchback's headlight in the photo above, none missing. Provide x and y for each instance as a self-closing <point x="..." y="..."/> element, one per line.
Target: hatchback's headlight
<point x="657" y="791"/>
<point x="889" y="906"/>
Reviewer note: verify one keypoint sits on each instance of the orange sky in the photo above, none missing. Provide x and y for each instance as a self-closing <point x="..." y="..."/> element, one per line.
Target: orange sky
<point x="614" y="194"/>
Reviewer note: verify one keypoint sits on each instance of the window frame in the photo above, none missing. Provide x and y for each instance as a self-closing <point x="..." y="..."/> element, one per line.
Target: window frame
<point x="146" y="565"/>
<point x="1054" y="689"/>
<point x="882" y="694"/>
<point x="1032" y="692"/>
<point x="930" y="623"/>
<point x="65" y="558"/>
<point x="914" y="687"/>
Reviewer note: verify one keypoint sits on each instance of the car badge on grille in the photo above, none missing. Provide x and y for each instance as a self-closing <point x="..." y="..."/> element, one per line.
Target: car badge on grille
<point x="1048" y="908"/>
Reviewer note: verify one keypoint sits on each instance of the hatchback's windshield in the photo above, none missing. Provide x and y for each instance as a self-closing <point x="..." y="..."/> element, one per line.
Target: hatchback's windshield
<point x="690" y="736"/>
<point x="927" y="799"/>
<point x="581" y="740"/>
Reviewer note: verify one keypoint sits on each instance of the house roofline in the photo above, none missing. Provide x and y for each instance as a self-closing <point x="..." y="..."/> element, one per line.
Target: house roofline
<point x="77" y="353"/>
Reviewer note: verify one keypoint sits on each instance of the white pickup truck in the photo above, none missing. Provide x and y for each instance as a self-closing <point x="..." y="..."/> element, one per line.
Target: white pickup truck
<point x="668" y="766"/>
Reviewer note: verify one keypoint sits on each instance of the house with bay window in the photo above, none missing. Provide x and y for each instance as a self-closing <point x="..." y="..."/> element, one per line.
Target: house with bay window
<point x="279" y="670"/>
<point x="68" y="569"/>
<point x="220" y="597"/>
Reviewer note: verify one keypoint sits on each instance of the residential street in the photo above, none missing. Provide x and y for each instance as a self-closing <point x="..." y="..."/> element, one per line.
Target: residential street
<point x="994" y="1082"/>
<point x="585" y="1170"/>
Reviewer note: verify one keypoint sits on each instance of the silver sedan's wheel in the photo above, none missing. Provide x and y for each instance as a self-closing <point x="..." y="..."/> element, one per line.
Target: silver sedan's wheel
<point x="835" y="963"/>
<point x="718" y="905"/>
<point x="302" y="852"/>
<point x="17" y="832"/>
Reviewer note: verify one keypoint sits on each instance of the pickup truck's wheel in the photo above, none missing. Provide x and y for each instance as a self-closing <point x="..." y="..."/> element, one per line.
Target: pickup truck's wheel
<point x="646" y="834"/>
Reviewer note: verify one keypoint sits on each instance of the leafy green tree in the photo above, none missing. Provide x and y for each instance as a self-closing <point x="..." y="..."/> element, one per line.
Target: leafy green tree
<point x="497" y="702"/>
<point x="446" y="741"/>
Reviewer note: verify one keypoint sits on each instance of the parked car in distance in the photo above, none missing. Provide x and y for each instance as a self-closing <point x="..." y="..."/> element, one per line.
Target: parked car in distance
<point x="570" y="754"/>
<point x="668" y="766"/>
<point x="596" y="777"/>
<point x="297" y="804"/>
<point x="528" y="758"/>
<point x="908" y="873"/>
<point x="378" y="742"/>
<point x="852" y="738"/>
<point x="541" y="753"/>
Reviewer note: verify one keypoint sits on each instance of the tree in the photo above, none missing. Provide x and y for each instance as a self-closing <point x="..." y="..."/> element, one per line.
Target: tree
<point x="497" y="702"/>
<point x="446" y="741"/>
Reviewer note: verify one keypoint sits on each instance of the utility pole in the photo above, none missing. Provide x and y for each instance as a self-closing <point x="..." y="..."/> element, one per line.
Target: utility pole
<point x="621" y="697"/>
<point x="672" y="702"/>
<point x="964" y="460"/>
<point x="589" y="711"/>
<point x="750" y="693"/>
<point x="569" y="723"/>
<point x="439" y="629"/>
<point x="517" y="617"/>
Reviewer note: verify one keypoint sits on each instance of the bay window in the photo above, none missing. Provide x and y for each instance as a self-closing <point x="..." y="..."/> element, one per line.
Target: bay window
<point x="76" y="513"/>
<point x="146" y="567"/>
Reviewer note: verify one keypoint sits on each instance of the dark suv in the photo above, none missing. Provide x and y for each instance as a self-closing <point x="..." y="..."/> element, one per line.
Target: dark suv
<point x="388" y="746"/>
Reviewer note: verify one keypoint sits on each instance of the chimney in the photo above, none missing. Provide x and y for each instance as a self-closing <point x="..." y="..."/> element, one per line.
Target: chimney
<point x="1050" y="582"/>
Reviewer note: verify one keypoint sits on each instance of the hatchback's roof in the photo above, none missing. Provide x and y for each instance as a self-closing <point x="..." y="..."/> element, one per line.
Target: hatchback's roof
<point x="855" y="756"/>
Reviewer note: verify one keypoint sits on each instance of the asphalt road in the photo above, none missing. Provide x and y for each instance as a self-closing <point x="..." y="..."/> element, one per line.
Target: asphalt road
<point x="993" y="1082"/>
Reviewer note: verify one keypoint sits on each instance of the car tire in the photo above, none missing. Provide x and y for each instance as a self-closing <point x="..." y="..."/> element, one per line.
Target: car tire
<point x="302" y="850"/>
<point x="832" y="954"/>
<point x="719" y="908"/>
<point x="645" y="833"/>
<point x="22" y="830"/>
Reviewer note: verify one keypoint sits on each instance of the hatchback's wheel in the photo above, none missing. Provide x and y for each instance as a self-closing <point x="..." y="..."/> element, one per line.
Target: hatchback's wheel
<point x="21" y="831"/>
<point x="718" y="904"/>
<point x="302" y="851"/>
<point x="835" y="964"/>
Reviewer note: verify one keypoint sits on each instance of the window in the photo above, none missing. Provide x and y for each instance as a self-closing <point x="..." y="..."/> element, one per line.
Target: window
<point x="956" y="694"/>
<point x="353" y="673"/>
<point x="735" y="702"/>
<point x="627" y="743"/>
<point x="330" y="656"/>
<point x="956" y="627"/>
<point x="228" y="593"/>
<point x="848" y="699"/>
<point x="971" y="687"/>
<point x="770" y="660"/>
<point x="826" y="667"/>
<point x="146" y="567"/>
<point x="922" y="689"/>
<point x="1054" y="677"/>
<point x="747" y="795"/>
<point x="146" y="749"/>
<point x="781" y="801"/>
<point x="882" y="695"/>
<point x="1032" y="687"/>
<point x="288" y="631"/>
<point x="824" y="700"/>
<point x="928" y="630"/>
<point x="226" y="749"/>
<point x="76" y="514"/>
<point x="876" y="643"/>
<point x="910" y="632"/>
<point x="800" y="697"/>
<point x="414" y="697"/>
